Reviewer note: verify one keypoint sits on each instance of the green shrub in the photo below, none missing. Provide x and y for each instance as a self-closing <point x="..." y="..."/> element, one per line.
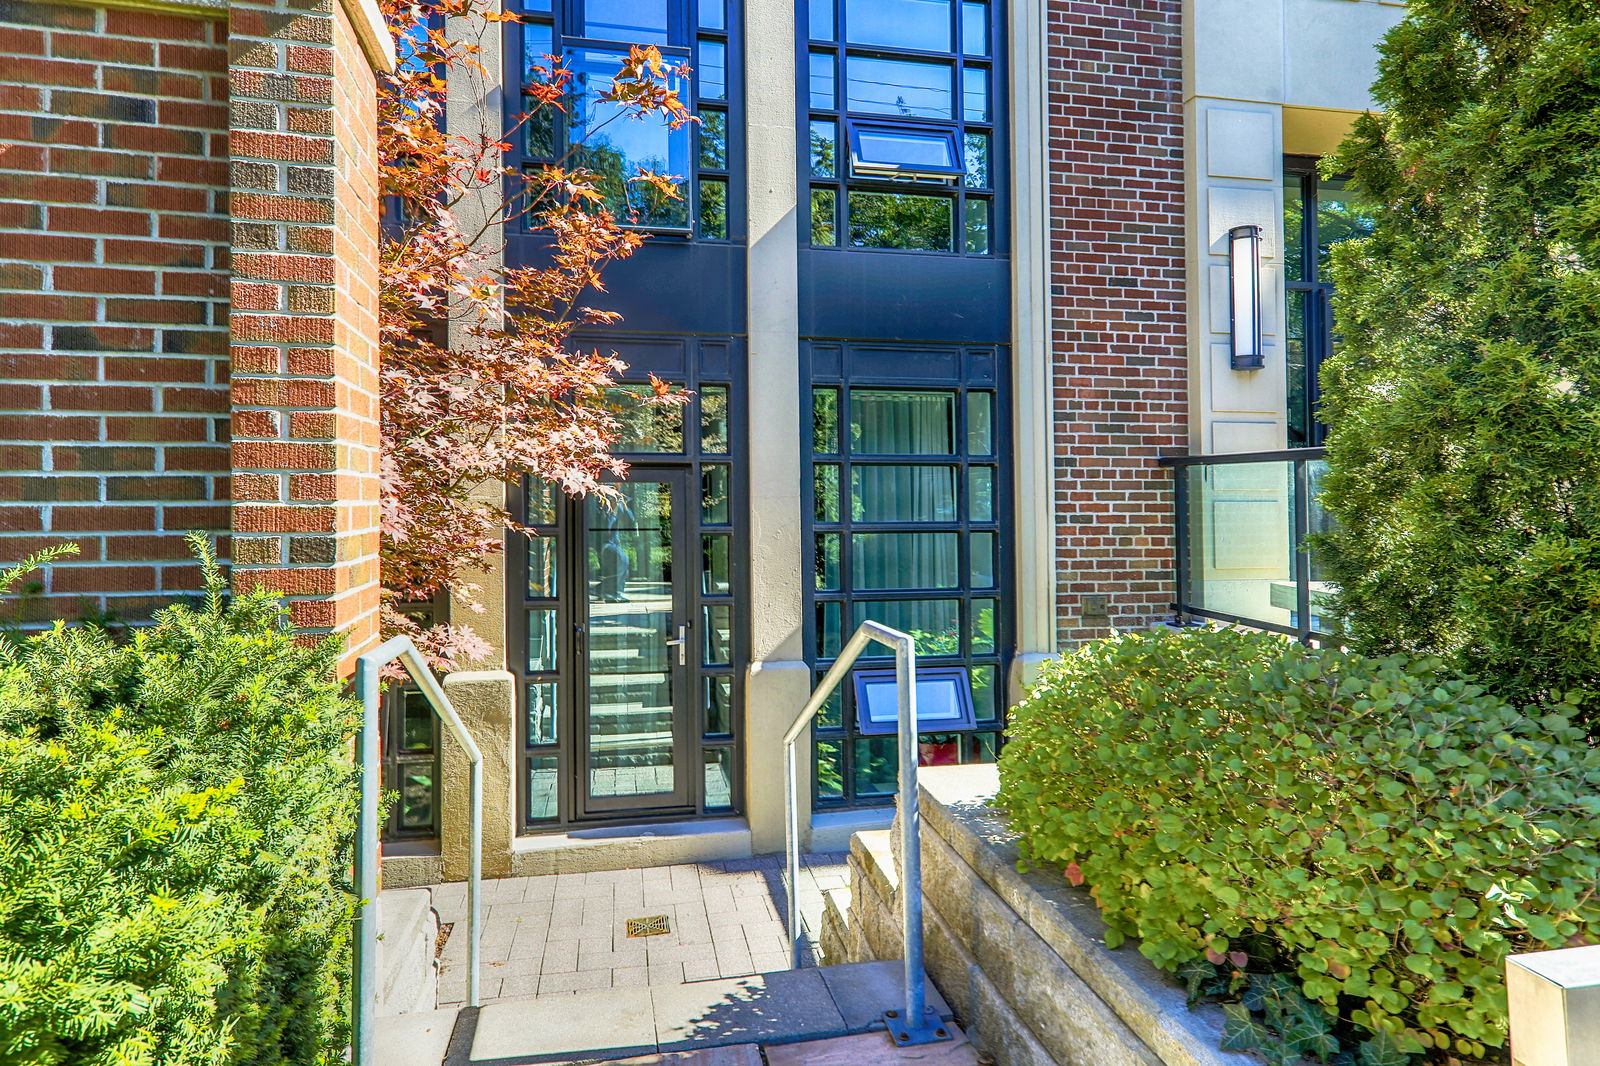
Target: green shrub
<point x="1383" y="831"/>
<point x="175" y="818"/>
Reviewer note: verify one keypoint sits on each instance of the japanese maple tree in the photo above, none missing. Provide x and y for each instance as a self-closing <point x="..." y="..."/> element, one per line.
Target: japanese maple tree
<point x="512" y="396"/>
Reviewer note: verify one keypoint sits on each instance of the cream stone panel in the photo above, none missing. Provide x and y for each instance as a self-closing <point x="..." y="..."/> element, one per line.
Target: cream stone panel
<point x="1234" y="49"/>
<point x="1239" y="145"/>
<point x="1330" y="51"/>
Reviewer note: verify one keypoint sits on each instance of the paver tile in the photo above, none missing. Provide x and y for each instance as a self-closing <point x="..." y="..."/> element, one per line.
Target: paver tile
<point x="581" y="981"/>
<point x="873" y="1049"/>
<point x="548" y="1028"/>
<point x="739" y="1055"/>
<point x="745" y="1010"/>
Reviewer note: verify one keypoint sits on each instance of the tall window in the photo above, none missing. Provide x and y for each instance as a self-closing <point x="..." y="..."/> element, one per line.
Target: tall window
<point x="591" y="38"/>
<point x="906" y="517"/>
<point x="1317" y="214"/>
<point x="903" y="124"/>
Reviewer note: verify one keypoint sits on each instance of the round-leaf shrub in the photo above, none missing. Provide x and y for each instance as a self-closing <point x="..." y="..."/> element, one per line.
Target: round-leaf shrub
<point x="1388" y="831"/>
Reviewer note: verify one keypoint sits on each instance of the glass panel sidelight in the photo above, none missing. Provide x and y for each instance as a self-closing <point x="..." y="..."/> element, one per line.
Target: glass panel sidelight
<point x="632" y="614"/>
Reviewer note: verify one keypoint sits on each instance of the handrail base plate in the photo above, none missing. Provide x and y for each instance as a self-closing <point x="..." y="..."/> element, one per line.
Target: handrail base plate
<point x="932" y="1030"/>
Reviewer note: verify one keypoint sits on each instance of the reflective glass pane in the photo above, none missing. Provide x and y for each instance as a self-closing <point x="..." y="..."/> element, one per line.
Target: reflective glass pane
<point x="983" y="568"/>
<point x="543" y="794"/>
<point x="903" y="493"/>
<point x="719" y="634"/>
<point x="902" y="422"/>
<point x="714" y="140"/>
<point x="537" y="5"/>
<point x="831" y="714"/>
<point x="542" y="641"/>
<point x="975" y="94"/>
<point x="826" y="482"/>
<point x="642" y="426"/>
<point x="985" y="747"/>
<point x="825" y="421"/>
<point x="824" y="149"/>
<point x="985" y="705"/>
<point x="877" y="769"/>
<point x="719" y="706"/>
<point x="541" y="502"/>
<point x="824" y="217"/>
<point x="980" y="493"/>
<point x="823" y="93"/>
<point x="904" y="149"/>
<point x="936" y="624"/>
<point x="712" y="70"/>
<point x="906" y="88"/>
<point x="538" y="43"/>
<point x="977" y="228"/>
<point x="716" y="578"/>
<point x="983" y="622"/>
<point x="719" y="779"/>
<point x="906" y="221"/>
<point x="713" y="209"/>
<point x="830" y="622"/>
<point x="975" y="28"/>
<point x="542" y="568"/>
<point x="542" y="712"/>
<point x="416" y="797"/>
<point x="830" y="770"/>
<point x="417" y="732"/>
<point x="821" y="12"/>
<point x="714" y="419"/>
<point x="922" y="25"/>
<point x="905" y="560"/>
<point x="634" y="21"/>
<point x="609" y="141"/>
<point x="827" y="561"/>
<point x="713" y="15"/>
<point x="716" y="508"/>
<point x="1294" y="214"/>
<point x="980" y="423"/>
<point x="977" y="152"/>
<point x="629" y="551"/>
<point x="1294" y="357"/>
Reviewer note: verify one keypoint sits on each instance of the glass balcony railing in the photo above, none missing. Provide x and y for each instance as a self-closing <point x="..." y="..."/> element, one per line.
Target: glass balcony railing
<point x="1243" y="522"/>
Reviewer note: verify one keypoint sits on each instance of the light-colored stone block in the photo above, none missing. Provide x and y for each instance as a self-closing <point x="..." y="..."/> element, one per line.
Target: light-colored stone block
<point x="1242" y="144"/>
<point x="1554" y="998"/>
<point x="486" y="701"/>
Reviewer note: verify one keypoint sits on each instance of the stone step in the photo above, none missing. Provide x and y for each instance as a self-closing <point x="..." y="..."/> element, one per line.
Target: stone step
<point x="408" y="931"/>
<point x="608" y="1025"/>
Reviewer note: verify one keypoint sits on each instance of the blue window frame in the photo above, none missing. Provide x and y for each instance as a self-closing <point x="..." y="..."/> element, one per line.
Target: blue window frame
<point x="944" y="701"/>
<point x="591" y="37"/>
<point x="907" y="91"/>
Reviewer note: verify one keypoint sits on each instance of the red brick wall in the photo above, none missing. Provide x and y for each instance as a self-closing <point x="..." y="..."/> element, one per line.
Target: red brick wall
<point x="305" y="211"/>
<point x="1117" y="315"/>
<point x="113" y="286"/>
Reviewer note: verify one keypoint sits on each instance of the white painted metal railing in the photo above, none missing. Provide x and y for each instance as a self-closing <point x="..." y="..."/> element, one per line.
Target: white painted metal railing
<point x="369" y="668"/>
<point x="919" y="1024"/>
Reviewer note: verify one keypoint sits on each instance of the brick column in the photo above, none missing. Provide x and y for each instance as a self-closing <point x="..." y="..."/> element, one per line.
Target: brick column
<point x="304" y="207"/>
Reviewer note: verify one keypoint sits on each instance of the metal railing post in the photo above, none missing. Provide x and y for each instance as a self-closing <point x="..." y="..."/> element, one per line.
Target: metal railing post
<point x="916" y="1023"/>
<point x="369" y="668"/>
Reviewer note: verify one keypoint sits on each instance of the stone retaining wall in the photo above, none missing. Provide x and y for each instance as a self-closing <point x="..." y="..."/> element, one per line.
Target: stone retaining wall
<point x="1021" y="957"/>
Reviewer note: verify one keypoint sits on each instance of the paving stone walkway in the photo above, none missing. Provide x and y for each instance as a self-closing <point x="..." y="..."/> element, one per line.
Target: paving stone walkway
<point x="566" y="933"/>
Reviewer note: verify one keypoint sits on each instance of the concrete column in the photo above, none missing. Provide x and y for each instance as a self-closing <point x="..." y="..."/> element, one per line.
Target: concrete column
<point x="1554" y="1001"/>
<point x="475" y="107"/>
<point x="779" y="680"/>
<point x="487" y="703"/>
<point x="1033" y="440"/>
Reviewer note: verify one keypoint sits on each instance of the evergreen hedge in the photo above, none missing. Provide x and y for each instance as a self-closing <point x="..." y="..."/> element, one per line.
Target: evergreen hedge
<point x="1373" y="836"/>
<point x="176" y="811"/>
<point x="1464" y="405"/>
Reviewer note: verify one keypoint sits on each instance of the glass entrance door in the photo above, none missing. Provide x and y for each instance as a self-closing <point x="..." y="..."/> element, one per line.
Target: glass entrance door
<point x="637" y="638"/>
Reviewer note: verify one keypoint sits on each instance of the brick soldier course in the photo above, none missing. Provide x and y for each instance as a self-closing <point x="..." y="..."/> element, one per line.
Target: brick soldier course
<point x="168" y="178"/>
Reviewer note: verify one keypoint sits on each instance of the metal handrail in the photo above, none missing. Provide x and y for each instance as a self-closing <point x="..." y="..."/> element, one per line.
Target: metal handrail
<point x="915" y="1026"/>
<point x="369" y="668"/>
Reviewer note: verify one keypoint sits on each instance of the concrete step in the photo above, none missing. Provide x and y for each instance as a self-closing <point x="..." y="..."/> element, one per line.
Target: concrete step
<point x="408" y="932"/>
<point x="614" y="1024"/>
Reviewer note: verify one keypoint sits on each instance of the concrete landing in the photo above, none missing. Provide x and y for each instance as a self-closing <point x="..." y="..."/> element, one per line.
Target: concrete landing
<point x="652" y="1023"/>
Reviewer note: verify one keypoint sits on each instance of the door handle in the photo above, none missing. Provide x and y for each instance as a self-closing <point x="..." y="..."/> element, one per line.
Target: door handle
<point x="682" y="644"/>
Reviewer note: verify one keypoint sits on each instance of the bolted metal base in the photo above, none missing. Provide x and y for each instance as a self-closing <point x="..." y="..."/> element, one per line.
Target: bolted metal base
<point x="931" y="1031"/>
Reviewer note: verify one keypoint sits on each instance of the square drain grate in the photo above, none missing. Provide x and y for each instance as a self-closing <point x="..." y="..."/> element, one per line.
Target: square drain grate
<point x="654" y="925"/>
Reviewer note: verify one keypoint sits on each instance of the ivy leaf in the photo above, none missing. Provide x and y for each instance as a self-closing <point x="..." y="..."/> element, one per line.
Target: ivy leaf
<point x="1241" y="1032"/>
<point x="1381" y="1050"/>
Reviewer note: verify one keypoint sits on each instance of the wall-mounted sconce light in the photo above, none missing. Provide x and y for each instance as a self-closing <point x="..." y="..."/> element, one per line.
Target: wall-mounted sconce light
<point x="1244" y="297"/>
